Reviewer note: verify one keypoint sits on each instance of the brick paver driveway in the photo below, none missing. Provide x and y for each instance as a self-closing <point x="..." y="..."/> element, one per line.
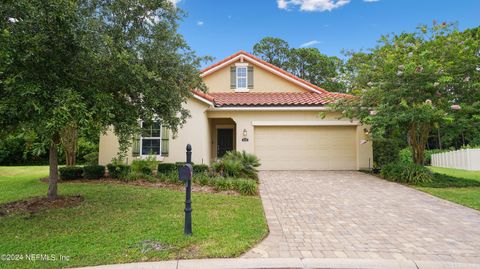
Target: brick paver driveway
<point x="332" y="214"/>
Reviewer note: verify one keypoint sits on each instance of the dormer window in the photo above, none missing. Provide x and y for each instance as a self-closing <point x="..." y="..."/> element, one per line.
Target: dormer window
<point x="241" y="77"/>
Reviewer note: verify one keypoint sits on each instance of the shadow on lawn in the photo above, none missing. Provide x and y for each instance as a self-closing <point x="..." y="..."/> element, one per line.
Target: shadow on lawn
<point x="446" y="181"/>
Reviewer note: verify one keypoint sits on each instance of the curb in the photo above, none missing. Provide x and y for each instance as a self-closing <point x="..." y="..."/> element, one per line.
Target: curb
<point x="290" y="263"/>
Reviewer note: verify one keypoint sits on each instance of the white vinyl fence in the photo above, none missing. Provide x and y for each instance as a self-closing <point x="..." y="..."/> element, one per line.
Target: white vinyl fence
<point x="468" y="159"/>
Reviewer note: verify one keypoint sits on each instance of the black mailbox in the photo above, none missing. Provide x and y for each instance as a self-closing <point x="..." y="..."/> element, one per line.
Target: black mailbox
<point x="185" y="172"/>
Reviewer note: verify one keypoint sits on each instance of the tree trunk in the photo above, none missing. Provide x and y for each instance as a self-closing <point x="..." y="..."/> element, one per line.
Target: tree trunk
<point x="417" y="139"/>
<point x="69" y="138"/>
<point x="439" y="138"/>
<point x="53" y="161"/>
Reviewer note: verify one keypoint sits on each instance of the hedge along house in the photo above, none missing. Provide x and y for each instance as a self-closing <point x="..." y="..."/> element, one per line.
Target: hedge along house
<point x="255" y="106"/>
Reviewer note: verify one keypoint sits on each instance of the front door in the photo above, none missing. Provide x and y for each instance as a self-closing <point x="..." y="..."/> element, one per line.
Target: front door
<point x="224" y="141"/>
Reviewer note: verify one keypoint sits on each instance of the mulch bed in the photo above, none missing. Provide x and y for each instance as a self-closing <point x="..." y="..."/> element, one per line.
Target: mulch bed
<point x="157" y="185"/>
<point x="36" y="204"/>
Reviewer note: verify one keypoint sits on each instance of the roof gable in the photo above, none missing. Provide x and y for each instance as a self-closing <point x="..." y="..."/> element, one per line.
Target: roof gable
<point x="245" y="56"/>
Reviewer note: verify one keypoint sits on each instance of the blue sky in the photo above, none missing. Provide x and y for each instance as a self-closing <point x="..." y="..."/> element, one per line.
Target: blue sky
<point x="219" y="28"/>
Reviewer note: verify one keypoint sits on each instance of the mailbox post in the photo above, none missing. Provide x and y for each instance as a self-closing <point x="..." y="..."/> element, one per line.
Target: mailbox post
<point x="185" y="174"/>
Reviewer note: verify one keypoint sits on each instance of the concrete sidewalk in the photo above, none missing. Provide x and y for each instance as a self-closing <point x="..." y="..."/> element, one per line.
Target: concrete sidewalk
<point x="291" y="263"/>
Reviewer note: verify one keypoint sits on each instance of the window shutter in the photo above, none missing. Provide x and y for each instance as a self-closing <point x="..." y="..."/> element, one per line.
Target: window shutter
<point x="136" y="146"/>
<point x="250" y="77"/>
<point x="165" y="136"/>
<point x="233" y="77"/>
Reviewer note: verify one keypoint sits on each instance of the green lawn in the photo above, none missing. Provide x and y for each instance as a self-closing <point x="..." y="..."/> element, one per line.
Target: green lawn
<point x="459" y="186"/>
<point x="110" y="224"/>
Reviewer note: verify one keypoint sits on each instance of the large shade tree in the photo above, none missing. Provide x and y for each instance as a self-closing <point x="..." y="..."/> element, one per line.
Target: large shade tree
<point x="413" y="82"/>
<point x="92" y="64"/>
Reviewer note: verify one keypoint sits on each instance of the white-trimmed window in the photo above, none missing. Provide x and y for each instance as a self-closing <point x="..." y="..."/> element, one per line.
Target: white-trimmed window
<point x="241" y="77"/>
<point x="151" y="139"/>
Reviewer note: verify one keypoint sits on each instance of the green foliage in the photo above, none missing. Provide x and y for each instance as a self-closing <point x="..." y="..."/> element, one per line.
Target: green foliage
<point x="409" y="173"/>
<point x="222" y="184"/>
<point x="118" y="170"/>
<point x="448" y="181"/>
<point x="406" y="155"/>
<point x="131" y="215"/>
<point x="202" y="179"/>
<point x="228" y="167"/>
<point x="22" y="149"/>
<point x="87" y="150"/>
<point x="144" y="166"/>
<point x="306" y="63"/>
<point x="245" y="186"/>
<point x="237" y="164"/>
<point x="93" y="64"/>
<point x="91" y="158"/>
<point x="93" y="171"/>
<point x="200" y="168"/>
<point x="70" y="172"/>
<point x="135" y="176"/>
<point x="410" y="81"/>
<point x="385" y="151"/>
<point x="166" y="168"/>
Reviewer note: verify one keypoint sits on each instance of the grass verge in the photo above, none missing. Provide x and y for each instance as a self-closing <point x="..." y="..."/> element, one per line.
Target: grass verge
<point x="123" y="223"/>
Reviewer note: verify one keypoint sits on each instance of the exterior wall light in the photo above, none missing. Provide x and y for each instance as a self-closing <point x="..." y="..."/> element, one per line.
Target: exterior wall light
<point x="245" y="133"/>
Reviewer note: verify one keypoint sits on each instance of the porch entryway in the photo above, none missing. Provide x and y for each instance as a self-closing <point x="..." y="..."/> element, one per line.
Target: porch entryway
<point x="223" y="136"/>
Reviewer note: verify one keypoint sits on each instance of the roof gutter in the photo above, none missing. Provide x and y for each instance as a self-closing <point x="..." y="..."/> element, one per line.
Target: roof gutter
<point x="272" y="108"/>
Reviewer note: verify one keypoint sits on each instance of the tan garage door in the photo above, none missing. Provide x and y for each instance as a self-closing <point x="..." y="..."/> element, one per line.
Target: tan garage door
<point x="306" y="147"/>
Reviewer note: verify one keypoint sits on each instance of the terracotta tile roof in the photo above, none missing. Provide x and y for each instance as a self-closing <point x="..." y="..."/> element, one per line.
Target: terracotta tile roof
<point x="203" y="95"/>
<point x="225" y="99"/>
<point x="262" y="62"/>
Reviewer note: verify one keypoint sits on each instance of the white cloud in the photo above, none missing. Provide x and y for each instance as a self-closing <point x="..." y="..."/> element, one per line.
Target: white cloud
<point x="174" y="1"/>
<point x="282" y="4"/>
<point x="312" y="5"/>
<point x="200" y="23"/>
<point x="370" y="1"/>
<point x="310" y="43"/>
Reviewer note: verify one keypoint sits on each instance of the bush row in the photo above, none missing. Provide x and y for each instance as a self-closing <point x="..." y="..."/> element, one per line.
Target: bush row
<point x="409" y="173"/>
<point x="165" y="168"/>
<point x="87" y="172"/>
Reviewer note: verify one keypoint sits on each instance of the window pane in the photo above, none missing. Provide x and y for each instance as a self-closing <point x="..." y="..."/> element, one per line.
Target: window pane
<point x="151" y="130"/>
<point x="150" y="146"/>
<point x="241" y="71"/>
<point x="242" y="83"/>
<point x="146" y="130"/>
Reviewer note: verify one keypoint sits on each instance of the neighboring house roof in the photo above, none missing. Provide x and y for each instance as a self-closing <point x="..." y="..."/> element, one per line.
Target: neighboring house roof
<point x="273" y="99"/>
<point x="315" y="96"/>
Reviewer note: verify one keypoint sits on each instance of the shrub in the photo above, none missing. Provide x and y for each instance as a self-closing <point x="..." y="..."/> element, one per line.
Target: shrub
<point x="118" y="170"/>
<point x="200" y="168"/>
<point x="222" y="184"/>
<point x="70" y="172"/>
<point x="406" y="173"/>
<point x="93" y="171"/>
<point x="385" y="151"/>
<point x="405" y="156"/>
<point x="245" y="186"/>
<point x="144" y="166"/>
<point x="237" y="164"/>
<point x="165" y="168"/>
<point x="202" y="179"/>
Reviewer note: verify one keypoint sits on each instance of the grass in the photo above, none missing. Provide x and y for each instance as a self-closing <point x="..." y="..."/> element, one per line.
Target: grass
<point x="114" y="220"/>
<point x="459" y="186"/>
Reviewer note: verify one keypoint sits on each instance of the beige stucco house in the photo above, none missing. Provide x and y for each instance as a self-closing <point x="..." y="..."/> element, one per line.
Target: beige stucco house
<point x="254" y="106"/>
